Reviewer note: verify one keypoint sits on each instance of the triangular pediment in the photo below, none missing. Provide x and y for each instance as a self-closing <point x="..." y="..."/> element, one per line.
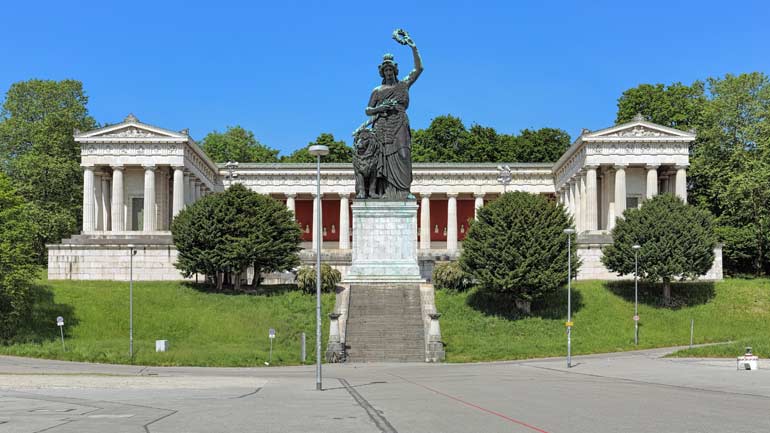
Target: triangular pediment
<point x="131" y="128"/>
<point x="639" y="129"/>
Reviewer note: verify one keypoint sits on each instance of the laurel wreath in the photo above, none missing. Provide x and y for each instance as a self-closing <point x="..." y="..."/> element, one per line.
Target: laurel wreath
<point x="401" y="36"/>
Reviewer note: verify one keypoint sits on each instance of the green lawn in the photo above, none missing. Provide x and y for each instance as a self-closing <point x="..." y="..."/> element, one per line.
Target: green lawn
<point x="732" y="310"/>
<point x="206" y="329"/>
<point x="210" y="329"/>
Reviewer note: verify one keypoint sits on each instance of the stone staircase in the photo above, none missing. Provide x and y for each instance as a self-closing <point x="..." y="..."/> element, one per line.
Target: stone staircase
<point x="385" y="323"/>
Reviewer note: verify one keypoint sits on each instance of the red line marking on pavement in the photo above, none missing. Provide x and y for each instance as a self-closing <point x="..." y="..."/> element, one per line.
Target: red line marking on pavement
<point x="489" y="411"/>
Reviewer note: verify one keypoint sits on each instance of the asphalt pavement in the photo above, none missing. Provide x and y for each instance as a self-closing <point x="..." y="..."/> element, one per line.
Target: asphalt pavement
<point x="623" y="392"/>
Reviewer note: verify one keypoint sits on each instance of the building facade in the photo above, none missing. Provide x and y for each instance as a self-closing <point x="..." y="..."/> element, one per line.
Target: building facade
<point x="137" y="177"/>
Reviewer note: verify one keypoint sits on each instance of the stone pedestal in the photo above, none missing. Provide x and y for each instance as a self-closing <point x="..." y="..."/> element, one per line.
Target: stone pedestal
<point x="384" y="242"/>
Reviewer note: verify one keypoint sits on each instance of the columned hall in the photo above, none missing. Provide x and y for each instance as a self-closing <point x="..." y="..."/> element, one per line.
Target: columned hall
<point x="137" y="177"/>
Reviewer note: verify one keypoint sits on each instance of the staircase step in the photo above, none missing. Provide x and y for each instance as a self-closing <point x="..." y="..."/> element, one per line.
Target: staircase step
<point x="385" y="324"/>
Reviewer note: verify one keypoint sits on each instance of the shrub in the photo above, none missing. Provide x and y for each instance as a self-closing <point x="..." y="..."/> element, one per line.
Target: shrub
<point x="228" y="232"/>
<point x="450" y="276"/>
<point x="517" y="247"/>
<point x="677" y="242"/>
<point x="330" y="277"/>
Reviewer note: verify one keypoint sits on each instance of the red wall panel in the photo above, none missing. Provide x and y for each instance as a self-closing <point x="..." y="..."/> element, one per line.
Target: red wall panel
<point x="330" y="220"/>
<point x="438" y="219"/>
<point x="466" y="210"/>
<point x="303" y="213"/>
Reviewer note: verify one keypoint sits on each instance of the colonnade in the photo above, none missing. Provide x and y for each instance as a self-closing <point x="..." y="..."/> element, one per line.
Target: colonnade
<point x="424" y="226"/>
<point x="597" y="195"/>
<point x="166" y="191"/>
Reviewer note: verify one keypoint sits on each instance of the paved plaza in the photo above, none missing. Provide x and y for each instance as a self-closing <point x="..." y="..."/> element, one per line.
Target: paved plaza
<point x="628" y="392"/>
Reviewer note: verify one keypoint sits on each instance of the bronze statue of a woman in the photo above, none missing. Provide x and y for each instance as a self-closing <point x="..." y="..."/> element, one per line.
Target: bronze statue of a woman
<point x="390" y="125"/>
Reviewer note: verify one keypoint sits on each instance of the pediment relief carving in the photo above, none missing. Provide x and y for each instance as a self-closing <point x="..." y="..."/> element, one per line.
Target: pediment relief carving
<point x="641" y="130"/>
<point x="638" y="131"/>
<point x="132" y="132"/>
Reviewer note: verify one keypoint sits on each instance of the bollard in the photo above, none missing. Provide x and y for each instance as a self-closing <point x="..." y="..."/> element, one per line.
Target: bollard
<point x="692" y="329"/>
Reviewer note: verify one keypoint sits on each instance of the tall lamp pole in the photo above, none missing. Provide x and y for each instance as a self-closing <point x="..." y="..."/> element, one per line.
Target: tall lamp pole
<point x="636" y="293"/>
<point x="318" y="151"/>
<point x="132" y="253"/>
<point x="569" y="232"/>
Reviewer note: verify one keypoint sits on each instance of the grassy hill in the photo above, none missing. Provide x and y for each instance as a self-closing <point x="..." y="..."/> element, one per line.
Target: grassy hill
<point x="477" y="328"/>
<point x="211" y="329"/>
<point x="207" y="329"/>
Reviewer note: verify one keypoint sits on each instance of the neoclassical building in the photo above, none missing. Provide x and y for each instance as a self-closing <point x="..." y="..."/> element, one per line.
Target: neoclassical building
<point x="137" y="177"/>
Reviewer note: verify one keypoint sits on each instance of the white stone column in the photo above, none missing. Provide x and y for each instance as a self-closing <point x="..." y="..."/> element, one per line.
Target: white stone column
<point x="579" y="202"/>
<point x="572" y="185"/>
<point x="162" y="196"/>
<point x="88" y="199"/>
<point x="195" y="190"/>
<point x="592" y="202"/>
<point x="610" y="215"/>
<point x="117" y="208"/>
<point x="425" y="228"/>
<point x="291" y="203"/>
<point x="186" y="189"/>
<point x="105" y="201"/>
<point x="478" y="203"/>
<point x="583" y="201"/>
<point x="344" y="227"/>
<point x="681" y="182"/>
<point x="317" y="232"/>
<point x="178" y="200"/>
<point x="451" y="224"/>
<point x="620" y="190"/>
<point x="149" y="198"/>
<point x="652" y="181"/>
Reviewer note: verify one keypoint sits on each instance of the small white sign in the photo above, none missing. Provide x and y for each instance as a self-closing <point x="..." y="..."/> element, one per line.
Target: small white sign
<point x="636" y="318"/>
<point x="271" y="333"/>
<point x="60" y="321"/>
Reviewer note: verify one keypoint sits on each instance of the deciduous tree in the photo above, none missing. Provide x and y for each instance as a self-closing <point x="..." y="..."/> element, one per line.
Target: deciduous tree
<point x="17" y="258"/>
<point x="338" y="151"/>
<point x="237" y="144"/>
<point x="39" y="153"/>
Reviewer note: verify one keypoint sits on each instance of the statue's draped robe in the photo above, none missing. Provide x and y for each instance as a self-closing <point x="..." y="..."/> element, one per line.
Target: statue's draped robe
<point x="393" y="132"/>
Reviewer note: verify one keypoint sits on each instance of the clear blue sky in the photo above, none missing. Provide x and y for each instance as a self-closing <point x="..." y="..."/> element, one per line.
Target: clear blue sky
<point x="291" y="71"/>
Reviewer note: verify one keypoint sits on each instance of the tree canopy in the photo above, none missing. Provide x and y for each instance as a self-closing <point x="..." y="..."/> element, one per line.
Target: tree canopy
<point x="237" y="144"/>
<point x="677" y="241"/>
<point x="730" y="158"/>
<point x="223" y="234"/>
<point x="338" y="151"/>
<point x="17" y="258"/>
<point x="39" y="153"/>
<point x="448" y="140"/>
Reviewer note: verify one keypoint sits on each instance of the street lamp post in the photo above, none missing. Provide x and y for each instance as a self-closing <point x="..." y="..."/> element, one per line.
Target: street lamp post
<point x="504" y="176"/>
<point x="132" y="253"/>
<point x="318" y="151"/>
<point x="636" y="293"/>
<point x="569" y="232"/>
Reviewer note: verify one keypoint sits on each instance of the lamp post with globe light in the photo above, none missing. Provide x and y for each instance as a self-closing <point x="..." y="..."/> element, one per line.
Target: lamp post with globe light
<point x="318" y="151"/>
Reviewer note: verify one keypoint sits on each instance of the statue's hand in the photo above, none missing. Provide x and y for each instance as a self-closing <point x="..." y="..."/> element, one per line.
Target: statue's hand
<point x="410" y="42"/>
